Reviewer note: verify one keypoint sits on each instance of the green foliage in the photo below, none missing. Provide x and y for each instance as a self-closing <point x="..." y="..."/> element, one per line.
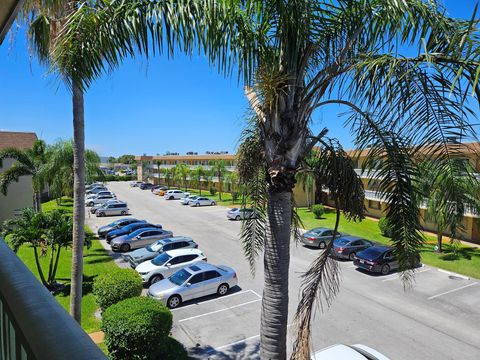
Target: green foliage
<point x="385" y="227"/>
<point x="110" y="288"/>
<point x="136" y="328"/>
<point x="173" y="350"/>
<point x="213" y="191"/>
<point x="116" y="178"/>
<point x="318" y="210"/>
<point x="235" y="195"/>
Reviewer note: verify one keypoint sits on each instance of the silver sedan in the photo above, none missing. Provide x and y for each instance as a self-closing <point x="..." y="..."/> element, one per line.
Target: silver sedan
<point x="192" y="282"/>
<point x="202" y="201"/>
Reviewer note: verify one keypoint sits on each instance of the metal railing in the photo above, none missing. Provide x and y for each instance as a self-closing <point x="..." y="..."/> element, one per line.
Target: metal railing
<point x="33" y="325"/>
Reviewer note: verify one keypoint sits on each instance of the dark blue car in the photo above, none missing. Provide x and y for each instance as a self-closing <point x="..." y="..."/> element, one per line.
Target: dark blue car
<point x="128" y="229"/>
<point x="379" y="259"/>
<point x="117" y="224"/>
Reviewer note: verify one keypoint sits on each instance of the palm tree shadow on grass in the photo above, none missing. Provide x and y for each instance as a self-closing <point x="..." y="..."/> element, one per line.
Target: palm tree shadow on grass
<point x="87" y="285"/>
<point x="465" y="253"/>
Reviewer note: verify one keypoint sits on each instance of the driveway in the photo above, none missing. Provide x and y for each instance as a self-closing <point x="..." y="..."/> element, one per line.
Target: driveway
<point x="438" y="319"/>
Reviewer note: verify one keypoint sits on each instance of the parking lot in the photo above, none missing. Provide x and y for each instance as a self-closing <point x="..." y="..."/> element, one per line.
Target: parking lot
<point x="439" y="318"/>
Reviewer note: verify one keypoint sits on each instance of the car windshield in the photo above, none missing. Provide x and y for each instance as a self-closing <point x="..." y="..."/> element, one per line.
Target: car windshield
<point x="161" y="259"/>
<point x="372" y="253"/>
<point x="341" y="242"/>
<point x="234" y="209"/>
<point x="315" y="231"/>
<point x="155" y="247"/>
<point x="180" y="277"/>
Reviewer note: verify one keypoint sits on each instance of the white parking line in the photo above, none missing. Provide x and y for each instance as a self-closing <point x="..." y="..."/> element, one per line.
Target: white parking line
<point x="398" y="276"/>
<point x="451" y="291"/>
<point x="454" y="274"/>
<point x="217" y="311"/>
<point x="256" y="294"/>
<point x="216" y="299"/>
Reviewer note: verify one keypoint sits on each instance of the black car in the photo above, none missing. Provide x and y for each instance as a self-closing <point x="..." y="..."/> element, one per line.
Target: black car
<point x="378" y="259"/>
<point x="117" y="224"/>
<point x="146" y="186"/>
<point x="112" y="234"/>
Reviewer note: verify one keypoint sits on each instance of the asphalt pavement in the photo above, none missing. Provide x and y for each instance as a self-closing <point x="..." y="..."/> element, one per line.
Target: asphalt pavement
<point x="439" y="318"/>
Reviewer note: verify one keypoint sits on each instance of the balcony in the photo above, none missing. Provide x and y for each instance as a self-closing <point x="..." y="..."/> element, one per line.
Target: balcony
<point x="33" y="325"/>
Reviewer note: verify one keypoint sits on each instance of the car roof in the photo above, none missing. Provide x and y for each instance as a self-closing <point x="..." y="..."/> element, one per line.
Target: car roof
<point x="338" y="352"/>
<point x="350" y="238"/>
<point x="200" y="267"/>
<point x="144" y="229"/>
<point x="185" y="251"/>
<point x="177" y="238"/>
<point x="381" y="248"/>
<point x="319" y="229"/>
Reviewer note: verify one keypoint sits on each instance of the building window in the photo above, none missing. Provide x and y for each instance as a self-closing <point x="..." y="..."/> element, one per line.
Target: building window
<point x="372" y="204"/>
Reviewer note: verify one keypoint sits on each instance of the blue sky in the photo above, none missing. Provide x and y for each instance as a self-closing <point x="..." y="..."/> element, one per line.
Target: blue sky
<point x="149" y="107"/>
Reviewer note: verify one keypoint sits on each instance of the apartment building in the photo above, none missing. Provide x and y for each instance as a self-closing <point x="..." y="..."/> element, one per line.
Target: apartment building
<point x="20" y="194"/>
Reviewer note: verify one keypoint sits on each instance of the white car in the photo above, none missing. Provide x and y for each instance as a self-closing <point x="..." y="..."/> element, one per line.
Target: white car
<point x="93" y="196"/>
<point x="102" y="199"/>
<point x="348" y="352"/>
<point x="175" y="194"/>
<point x="202" y="201"/>
<point x="186" y="200"/>
<point x="135" y="183"/>
<point x="167" y="263"/>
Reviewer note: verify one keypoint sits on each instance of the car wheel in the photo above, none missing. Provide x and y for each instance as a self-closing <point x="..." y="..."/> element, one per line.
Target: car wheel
<point x="237" y="217"/>
<point x="213" y="203"/>
<point x="351" y="256"/>
<point x="222" y="289"/>
<point x="123" y="213"/>
<point x="321" y="245"/>
<point x="197" y="204"/>
<point x="101" y="214"/>
<point x="170" y="198"/>
<point x="125" y="248"/>
<point x="174" y="301"/>
<point x="385" y="269"/>
<point x="155" y="278"/>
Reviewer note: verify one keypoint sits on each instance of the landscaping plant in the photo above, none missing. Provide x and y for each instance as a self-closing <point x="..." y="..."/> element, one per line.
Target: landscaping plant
<point x="318" y="210"/>
<point x="113" y="287"/>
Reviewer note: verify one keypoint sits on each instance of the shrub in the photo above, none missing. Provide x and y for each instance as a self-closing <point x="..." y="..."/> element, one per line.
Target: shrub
<point x="234" y="196"/>
<point x="318" y="210"/>
<point x="173" y="350"/>
<point x="112" y="287"/>
<point x="213" y="191"/>
<point x="137" y="328"/>
<point x="385" y="227"/>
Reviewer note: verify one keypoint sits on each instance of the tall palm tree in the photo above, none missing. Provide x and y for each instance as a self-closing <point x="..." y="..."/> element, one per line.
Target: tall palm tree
<point x="299" y="56"/>
<point x="183" y="171"/>
<point x="28" y="162"/>
<point x="197" y="174"/>
<point x="158" y="163"/>
<point x="219" y="170"/>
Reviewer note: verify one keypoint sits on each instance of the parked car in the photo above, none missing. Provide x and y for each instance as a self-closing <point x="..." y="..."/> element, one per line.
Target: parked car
<point x="96" y="190"/>
<point x="193" y="282"/>
<point x="202" y="201"/>
<point x="145" y="186"/>
<point x="120" y="208"/>
<point x="241" y="214"/>
<point x="147" y="253"/>
<point x="378" y="259"/>
<point x="319" y="237"/>
<point x="155" y="187"/>
<point x="104" y="192"/>
<point x="102" y="199"/>
<point x="135" y="183"/>
<point x="117" y="224"/>
<point x="161" y="191"/>
<point x="186" y="199"/>
<point x="129" y="229"/>
<point x="348" y="352"/>
<point x="167" y="263"/>
<point x="139" y="239"/>
<point x="346" y="247"/>
<point x="175" y="194"/>
<point x="91" y="186"/>
<point x="94" y="208"/>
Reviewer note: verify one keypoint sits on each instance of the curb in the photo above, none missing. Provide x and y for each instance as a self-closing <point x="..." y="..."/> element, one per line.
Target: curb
<point x="454" y="274"/>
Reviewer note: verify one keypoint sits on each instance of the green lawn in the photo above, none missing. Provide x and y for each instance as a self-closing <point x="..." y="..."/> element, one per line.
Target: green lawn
<point x="96" y="262"/>
<point x="465" y="261"/>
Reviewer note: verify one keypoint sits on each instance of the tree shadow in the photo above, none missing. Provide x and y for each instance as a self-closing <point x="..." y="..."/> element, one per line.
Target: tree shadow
<point x="241" y="350"/>
<point x="87" y="286"/>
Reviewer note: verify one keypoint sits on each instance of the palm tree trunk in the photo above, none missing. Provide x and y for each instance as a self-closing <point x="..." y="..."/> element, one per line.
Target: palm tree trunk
<point x="39" y="267"/>
<point x="37" y="203"/>
<point x="439" y="239"/>
<point x="54" y="273"/>
<point x="273" y="333"/>
<point x="78" y="205"/>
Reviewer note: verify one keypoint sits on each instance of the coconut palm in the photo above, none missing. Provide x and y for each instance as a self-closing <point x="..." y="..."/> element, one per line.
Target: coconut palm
<point x="28" y="162"/>
<point x="183" y="171"/>
<point x="297" y="57"/>
<point x="219" y="170"/>
<point x="158" y="163"/>
<point x="197" y="175"/>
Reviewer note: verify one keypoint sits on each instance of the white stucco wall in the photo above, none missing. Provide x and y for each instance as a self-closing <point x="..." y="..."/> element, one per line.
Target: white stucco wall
<point x="19" y="195"/>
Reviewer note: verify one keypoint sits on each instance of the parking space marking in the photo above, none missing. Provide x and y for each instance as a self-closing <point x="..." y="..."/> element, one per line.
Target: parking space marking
<point x="217" y="311"/>
<point x="217" y="299"/>
<point x="253" y="291"/>
<point x="398" y="276"/>
<point x="234" y="343"/>
<point x="451" y="291"/>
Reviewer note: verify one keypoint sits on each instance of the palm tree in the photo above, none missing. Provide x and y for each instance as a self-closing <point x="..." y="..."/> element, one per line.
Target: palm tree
<point x="183" y="171"/>
<point x="197" y="174"/>
<point x="28" y="162"/>
<point x="158" y="163"/>
<point x="299" y="56"/>
<point x="219" y="170"/>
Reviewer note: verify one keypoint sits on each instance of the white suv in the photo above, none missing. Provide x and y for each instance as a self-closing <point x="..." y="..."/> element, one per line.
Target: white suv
<point x="175" y="194"/>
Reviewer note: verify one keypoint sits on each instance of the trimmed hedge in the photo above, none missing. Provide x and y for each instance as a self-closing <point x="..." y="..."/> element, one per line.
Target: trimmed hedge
<point x="112" y="287"/>
<point x="385" y="227"/>
<point x="318" y="210"/>
<point x="137" y="328"/>
<point x="173" y="350"/>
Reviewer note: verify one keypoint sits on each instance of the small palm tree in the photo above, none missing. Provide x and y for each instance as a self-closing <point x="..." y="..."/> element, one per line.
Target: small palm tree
<point x="28" y="162"/>
<point x="219" y="170"/>
<point x="197" y="174"/>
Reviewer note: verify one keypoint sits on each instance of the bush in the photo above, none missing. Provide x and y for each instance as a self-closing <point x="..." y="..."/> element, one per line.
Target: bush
<point x="137" y="328"/>
<point x="213" y="191"/>
<point x="385" y="227"/>
<point x="173" y="350"/>
<point x="112" y="287"/>
<point x="318" y="210"/>
<point x="112" y="177"/>
<point x="235" y="196"/>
